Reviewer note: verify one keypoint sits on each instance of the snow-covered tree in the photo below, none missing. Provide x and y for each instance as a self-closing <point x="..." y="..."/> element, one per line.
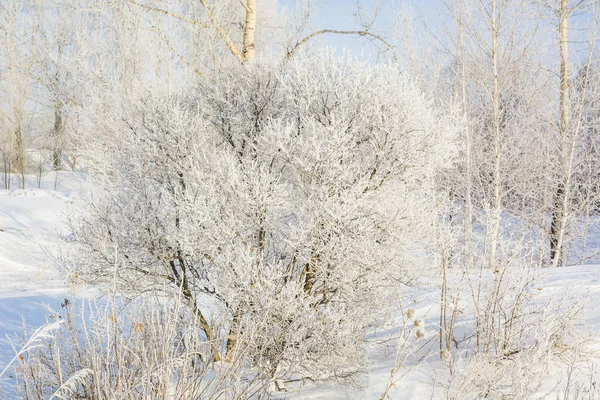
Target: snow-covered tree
<point x="282" y="199"/>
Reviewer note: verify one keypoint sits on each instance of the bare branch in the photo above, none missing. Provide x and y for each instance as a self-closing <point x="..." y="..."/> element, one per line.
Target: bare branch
<point x="337" y="32"/>
<point x="222" y="32"/>
<point x="170" y="14"/>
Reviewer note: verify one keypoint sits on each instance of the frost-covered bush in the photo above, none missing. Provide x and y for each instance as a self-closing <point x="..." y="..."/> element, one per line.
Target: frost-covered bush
<point x="281" y="199"/>
<point x="532" y="338"/>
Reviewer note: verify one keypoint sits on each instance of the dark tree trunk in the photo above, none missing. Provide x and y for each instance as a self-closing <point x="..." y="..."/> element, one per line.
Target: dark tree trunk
<point x="556" y="227"/>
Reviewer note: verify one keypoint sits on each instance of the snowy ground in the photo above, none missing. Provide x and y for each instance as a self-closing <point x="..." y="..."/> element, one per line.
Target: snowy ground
<point x="427" y="379"/>
<point x="32" y="222"/>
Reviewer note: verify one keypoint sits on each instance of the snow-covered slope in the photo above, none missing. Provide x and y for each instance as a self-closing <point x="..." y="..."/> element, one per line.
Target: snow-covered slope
<point x="31" y="223"/>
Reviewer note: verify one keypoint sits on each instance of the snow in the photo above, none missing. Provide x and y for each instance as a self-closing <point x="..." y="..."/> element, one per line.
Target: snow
<point x="32" y="222"/>
<point x="426" y="378"/>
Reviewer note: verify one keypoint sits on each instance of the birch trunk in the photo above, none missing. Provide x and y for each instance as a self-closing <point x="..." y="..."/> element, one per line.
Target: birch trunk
<point x="249" y="50"/>
<point x="561" y="202"/>
<point x="495" y="217"/>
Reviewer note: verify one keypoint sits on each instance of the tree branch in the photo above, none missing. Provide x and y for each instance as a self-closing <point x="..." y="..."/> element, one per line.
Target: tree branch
<point x="215" y="24"/>
<point x="170" y="14"/>
<point x="211" y="16"/>
<point x="337" y="32"/>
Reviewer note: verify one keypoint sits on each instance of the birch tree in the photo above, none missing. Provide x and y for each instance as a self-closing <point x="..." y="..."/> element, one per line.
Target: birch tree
<point x="494" y="73"/>
<point x="568" y="129"/>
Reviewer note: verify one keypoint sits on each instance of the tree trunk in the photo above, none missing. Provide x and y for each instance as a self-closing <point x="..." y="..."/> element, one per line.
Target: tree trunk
<point x="249" y="50"/>
<point x="496" y="212"/>
<point x="205" y="326"/>
<point x="234" y="331"/>
<point x="561" y="201"/>
<point x="57" y="134"/>
<point x="180" y="279"/>
<point x="556" y="226"/>
<point x="19" y="155"/>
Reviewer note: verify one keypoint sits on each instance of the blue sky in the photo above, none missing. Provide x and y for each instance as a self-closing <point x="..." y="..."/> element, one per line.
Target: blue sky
<point x="337" y="14"/>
